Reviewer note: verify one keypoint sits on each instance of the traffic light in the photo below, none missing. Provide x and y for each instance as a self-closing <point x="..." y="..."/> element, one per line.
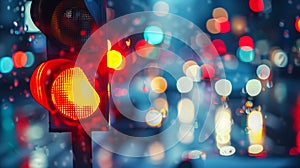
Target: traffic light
<point x="61" y="87"/>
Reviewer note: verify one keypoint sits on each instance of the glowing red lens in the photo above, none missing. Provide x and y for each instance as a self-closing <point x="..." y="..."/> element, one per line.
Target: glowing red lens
<point x="60" y="87"/>
<point x="73" y="95"/>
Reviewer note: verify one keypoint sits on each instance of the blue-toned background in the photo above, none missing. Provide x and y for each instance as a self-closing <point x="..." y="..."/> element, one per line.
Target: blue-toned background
<point x="25" y="139"/>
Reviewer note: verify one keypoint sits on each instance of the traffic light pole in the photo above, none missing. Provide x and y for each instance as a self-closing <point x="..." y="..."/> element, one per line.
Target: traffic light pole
<point x="81" y="141"/>
<point x="82" y="150"/>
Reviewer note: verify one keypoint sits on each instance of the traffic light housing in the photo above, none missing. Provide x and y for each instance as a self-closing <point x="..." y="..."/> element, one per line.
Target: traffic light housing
<point x="67" y="24"/>
<point x="62" y="88"/>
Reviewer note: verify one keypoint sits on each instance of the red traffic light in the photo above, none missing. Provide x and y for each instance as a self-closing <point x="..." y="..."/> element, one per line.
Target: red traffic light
<point x="73" y="95"/>
<point x="61" y="87"/>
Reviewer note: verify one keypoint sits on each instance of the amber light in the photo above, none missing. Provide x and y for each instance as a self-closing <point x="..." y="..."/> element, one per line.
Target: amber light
<point x="115" y="60"/>
<point x="73" y="95"/>
<point x="62" y="88"/>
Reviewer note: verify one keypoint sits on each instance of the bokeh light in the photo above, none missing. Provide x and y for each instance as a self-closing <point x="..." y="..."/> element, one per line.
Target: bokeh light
<point x="38" y="158"/>
<point x="256" y="5"/>
<point x="222" y="25"/>
<point x="104" y="158"/>
<point x="187" y="64"/>
<point x="161" y="104"/>
<point x="186" y="110"/>
<point x="153" y="118"/>
<point x="6" y="64"/>
<point x="30" y="59"/>
<point x="253" y="87"/>
<point x="219" y="23"/>
<point x="220" y="46"/>
<point x="246" y="41"/>
<point x="211" y="26"/>
<point x="255" y="121"/>
<point x="194" y="72"/>
<point x="245" y="54"/>
<point x="227" y="150"/>
<point x="239" y="25"/>
<point x="279" y="58"/>
<point x="223" y="121"/>
<point x="263" y="71"/>
<point x="223" y="87"/>
<point x="161" y="8"/>
<point x="186" y="133"/>
<point x="159" y="84"/>
<point x="153" y="35"/>
<point x="114" y="59"/>
<point x="35" y="132"/>
<point x="184" y="84"/>
<point x="208" y="71"/>
<point x="223" y="139"/>
<point x="194" y="154"/>
<point x="144" y="49"/>
<point x="255" y="127"/>
<point x="255" y="149"/>
<point x="156" y="151"/>
<point x="19" y="58"/>
<point x="220" y="12"/>
<point x="297" y="24"/>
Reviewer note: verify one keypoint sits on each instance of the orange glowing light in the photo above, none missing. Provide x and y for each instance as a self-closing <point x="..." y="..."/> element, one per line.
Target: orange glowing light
<point x="239" y="25"/>
<point x="213" y="26"/>
<point x="73" y="95"/>
<point x="159" y="84"/>
<point x="297" y="24"/>
<point x="127" y="42"/>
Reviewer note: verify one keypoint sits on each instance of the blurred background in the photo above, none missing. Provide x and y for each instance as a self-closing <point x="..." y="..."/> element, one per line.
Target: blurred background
<point x="258" y="42"/>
